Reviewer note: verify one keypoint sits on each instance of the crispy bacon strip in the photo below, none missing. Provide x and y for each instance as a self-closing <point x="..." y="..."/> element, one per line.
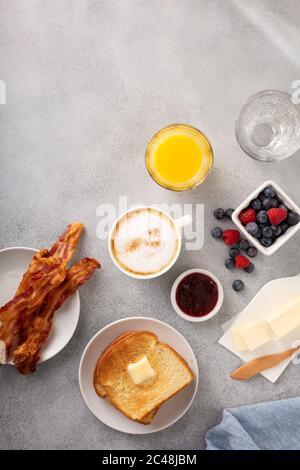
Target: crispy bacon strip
<point x="46" y="271"/>
<point x="63" y="250"/>
<point x="49" y="274"/>
<point x="27" y="354"/>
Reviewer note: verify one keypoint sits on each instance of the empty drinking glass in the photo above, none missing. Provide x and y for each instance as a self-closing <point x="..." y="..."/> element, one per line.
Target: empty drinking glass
<point x="268" y="127"/>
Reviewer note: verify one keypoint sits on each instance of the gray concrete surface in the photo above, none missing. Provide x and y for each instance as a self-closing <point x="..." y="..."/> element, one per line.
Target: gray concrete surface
<point x="88" y="83"/>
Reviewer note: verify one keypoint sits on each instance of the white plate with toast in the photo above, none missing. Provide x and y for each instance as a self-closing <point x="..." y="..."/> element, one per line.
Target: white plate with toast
<point x="170" y="411"/>
<point x="14" y="262"/>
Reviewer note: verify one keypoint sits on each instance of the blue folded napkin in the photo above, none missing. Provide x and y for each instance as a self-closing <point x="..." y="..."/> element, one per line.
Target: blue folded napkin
<point x="265" y="426"/>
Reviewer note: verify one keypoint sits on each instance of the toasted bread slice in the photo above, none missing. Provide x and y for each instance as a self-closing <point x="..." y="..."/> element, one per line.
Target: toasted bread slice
<point x="101" y="390"/>
<point x="140" y="402"/>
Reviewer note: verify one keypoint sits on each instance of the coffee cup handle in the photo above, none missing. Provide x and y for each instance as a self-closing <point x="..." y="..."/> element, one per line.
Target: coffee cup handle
<point x="183" y="221"/>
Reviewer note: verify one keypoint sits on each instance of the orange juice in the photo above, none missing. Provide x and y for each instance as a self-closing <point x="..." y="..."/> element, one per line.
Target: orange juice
<point x="179" y="157"/>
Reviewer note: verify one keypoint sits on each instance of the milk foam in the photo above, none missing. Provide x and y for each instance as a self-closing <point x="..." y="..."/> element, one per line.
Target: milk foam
<point x="145" y="241"/>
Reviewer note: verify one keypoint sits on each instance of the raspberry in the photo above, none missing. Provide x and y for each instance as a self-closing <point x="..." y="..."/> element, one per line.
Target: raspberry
<point x="241" y="262"/>
<point x="247" y="216"/>
<point x="231" y="237"/>
<point x="277" y="215"/>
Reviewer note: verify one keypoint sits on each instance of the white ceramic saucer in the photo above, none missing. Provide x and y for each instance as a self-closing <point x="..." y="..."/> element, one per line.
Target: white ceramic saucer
<point x="171" y="411"/>
<point x="13" y="263"/>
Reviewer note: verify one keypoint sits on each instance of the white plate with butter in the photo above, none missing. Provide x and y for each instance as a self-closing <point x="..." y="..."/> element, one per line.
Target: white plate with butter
<point x="171" y="411"/>
<point x="267" y="324"/>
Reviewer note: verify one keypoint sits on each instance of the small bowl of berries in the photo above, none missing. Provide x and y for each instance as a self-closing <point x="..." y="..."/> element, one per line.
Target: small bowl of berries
<point x="268" y="218"/>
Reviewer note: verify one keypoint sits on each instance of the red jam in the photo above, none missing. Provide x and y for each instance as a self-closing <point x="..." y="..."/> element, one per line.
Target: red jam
<point x="197" y="294"/>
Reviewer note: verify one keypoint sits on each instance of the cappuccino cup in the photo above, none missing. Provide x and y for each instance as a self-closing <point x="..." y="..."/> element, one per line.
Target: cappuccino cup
<point x="145" y="242"/>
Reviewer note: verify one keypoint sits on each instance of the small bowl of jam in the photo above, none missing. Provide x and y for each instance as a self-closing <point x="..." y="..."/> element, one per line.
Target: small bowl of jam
<point x="197" y="295"/>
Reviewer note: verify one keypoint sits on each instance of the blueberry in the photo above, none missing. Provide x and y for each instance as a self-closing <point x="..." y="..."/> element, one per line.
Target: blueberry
<point x="262" y="217"/>
<point x="284" y="226"/>
<point x="269" y="192"/>
<point x="274" y="203"/>
<point x="261" y="196"/>
<point x="258" y="234"/>
<point x="217" y="232"/>
<point x="238" y="285"/>
<point x="293" y="218"/>
<point x="266" y="242"/>
<point x="276" y="229"/>
<point x="252" y="252"/>
<point x="229" y="263"/>
<point x="267" y="232"/>
<point x="252" y="228"/>
<point x="219" y="214"/>
<point x="250" y="268"/>
<point x="234" y="251"/>
<point x="256" y="204"/>
<point x="267" y="203"/>
<point x="228" y="213"/>
<point x="244" y="244"/>
<point x="283" y="206"/>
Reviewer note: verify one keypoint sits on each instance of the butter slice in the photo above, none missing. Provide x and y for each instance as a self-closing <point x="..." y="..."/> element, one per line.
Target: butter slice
<point x="255" y="335"/>
<point x="285" y="319"/>
<point x="239" y="342"/>
<point x="141" y="371"/>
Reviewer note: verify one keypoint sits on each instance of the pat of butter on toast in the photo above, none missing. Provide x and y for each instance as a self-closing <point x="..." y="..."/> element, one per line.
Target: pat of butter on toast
<point x="141" y="371"/>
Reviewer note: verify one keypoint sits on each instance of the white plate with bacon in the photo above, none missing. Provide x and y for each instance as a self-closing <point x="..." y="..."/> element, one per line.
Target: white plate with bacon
<point x="39" y="298"/>
<point x="13" y="264"/>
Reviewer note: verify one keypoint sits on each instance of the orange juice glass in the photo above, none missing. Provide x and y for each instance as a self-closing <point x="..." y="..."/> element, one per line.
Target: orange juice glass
<point x="179" y="157"/>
